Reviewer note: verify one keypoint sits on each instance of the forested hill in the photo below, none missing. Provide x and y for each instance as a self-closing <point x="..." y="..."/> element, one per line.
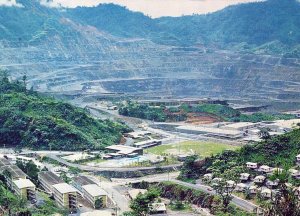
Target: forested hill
<point x="28" y="119"/>
<point x="269" y="26"/>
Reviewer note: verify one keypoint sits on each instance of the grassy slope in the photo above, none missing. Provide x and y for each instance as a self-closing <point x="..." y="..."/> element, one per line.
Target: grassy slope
<point x="204" y="149"/>
<point x="38" y="122"/>
<point x="279" y="151"/>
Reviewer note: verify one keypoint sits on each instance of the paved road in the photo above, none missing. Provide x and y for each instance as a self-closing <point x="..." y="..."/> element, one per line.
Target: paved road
<point x="98" y="168"/>
<point x="241" y="203"/>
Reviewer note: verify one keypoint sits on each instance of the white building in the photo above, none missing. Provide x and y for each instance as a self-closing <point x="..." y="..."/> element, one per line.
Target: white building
<point x="265" y="169"/>
<point x="266" y="193"/>
<point x="95" y="195"/>
<point x="259" y="179"/>
<point x="253" y="189"/>
<point x="216" y="181"/>
<point x="251" y="165"/>
<point x="65" y="195"/>
<point x="294" y="173"/>
<point x="298" y="158"/>
<point x="230" y="184"/>
<point x="24" y="188"/>
<point x="244" y="176"/>
<point x="272" y="184"/>
<point x="241" y="187"/>
<point x="208" y="176"/>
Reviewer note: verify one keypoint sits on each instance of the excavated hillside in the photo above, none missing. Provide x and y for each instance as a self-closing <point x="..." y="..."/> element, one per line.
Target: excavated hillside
<point x="84" y="59"/>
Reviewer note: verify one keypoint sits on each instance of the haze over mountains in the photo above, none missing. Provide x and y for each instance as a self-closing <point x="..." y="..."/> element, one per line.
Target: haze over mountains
<point x="248" y="51"/>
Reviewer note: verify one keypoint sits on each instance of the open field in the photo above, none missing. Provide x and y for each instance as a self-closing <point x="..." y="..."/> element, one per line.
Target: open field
<point x="201" y="148"/>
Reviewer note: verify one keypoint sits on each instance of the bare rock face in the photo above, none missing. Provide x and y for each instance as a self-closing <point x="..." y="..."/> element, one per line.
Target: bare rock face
<point x="85" y="59"/>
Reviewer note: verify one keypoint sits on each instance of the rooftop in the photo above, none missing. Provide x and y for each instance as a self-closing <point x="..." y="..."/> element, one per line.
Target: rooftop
<point x="134" y="192"/>
<point x="240" y="125"/>
<point x="94" y="190"/>
<point x="83" y="180"/>
<point x="23" y="183"/>
<point x="211" y="130"/>
<point x="15" y="171"/>
<point x="157" y="207"/>
<point x="64" y="188"/>
<point x="250" y="163"/>
<point x="97" y="213"/>
<point x="145" y="142"/>
<point x="4" y="162"/>
<point x="50" y="177"/>
<point x="122" y="149"/>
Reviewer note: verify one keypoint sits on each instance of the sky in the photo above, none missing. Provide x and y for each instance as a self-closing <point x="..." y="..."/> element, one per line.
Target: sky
<point x="153" y="8"/>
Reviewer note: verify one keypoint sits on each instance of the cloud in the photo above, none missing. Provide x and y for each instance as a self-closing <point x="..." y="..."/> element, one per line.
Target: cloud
<point x="10" y="3"/>
<point x="155" y="8"/>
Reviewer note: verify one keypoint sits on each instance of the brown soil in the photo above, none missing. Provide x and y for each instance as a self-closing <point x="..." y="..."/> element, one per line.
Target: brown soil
<point x="196" y="119"/>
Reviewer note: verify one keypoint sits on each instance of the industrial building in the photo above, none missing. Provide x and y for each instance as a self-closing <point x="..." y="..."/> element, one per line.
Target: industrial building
<point x="47" y="179"/>
<point x="211" y="131"/>
<point x="90" y="191"/>
<point x="241" y="126"/>
<point x="147" y="144"/>
<point x="118" y="151"/>
<point x="137" y="134"/>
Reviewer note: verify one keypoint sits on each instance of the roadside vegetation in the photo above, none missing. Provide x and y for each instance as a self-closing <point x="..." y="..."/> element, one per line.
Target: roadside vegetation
<point x="181" y="198"/>
<point x="275" y="151"/>
<point x="219" y="112"/>
<point x="279" y="151"/>
<point x="28" y="119"/>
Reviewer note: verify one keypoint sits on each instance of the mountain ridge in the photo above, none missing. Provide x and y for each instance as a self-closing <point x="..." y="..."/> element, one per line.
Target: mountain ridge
<point x="61" y="51"/>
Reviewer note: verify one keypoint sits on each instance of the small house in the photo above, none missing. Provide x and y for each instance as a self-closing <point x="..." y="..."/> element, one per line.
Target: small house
<point x="272" y="184"/>
<point x="208" y="176"/>
<point x="241" y="187"/>
<point x="265" y="169"/>
<point x="294" y="173"/>
<point x="266" y="193"/>
<point x="216" y="181"/>
<point x="259" y="179"/>
<point x="253" y="189"/>
<point x="158" y="208"/>
<point x="298" y="158"/>
<point x="244" y="176"/>
<point x="230" y="184"/>
<point x="251" y="165"/>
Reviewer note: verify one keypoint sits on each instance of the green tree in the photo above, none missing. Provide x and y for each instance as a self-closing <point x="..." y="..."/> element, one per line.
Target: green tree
<point x="285" y="202"/>
<point x="141" y="204"/>
<point x="30" y="168"/>
<point x="99" y="203"/>
<point x="224" y="191"/>
<point x="264" y="133"/>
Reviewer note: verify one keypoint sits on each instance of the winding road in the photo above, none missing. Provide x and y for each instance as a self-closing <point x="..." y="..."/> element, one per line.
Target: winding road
<point x="241" y="203"/>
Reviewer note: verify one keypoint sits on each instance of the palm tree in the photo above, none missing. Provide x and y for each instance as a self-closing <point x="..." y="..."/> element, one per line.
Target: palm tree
<point x="285" y="202"/>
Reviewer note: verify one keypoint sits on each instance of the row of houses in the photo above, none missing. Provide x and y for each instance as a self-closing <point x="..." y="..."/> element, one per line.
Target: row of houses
<point x="67" y="195"/>
<point x="17" y="180"/>
<point x="258" y="184"/>
<point x="265" y="169"/>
